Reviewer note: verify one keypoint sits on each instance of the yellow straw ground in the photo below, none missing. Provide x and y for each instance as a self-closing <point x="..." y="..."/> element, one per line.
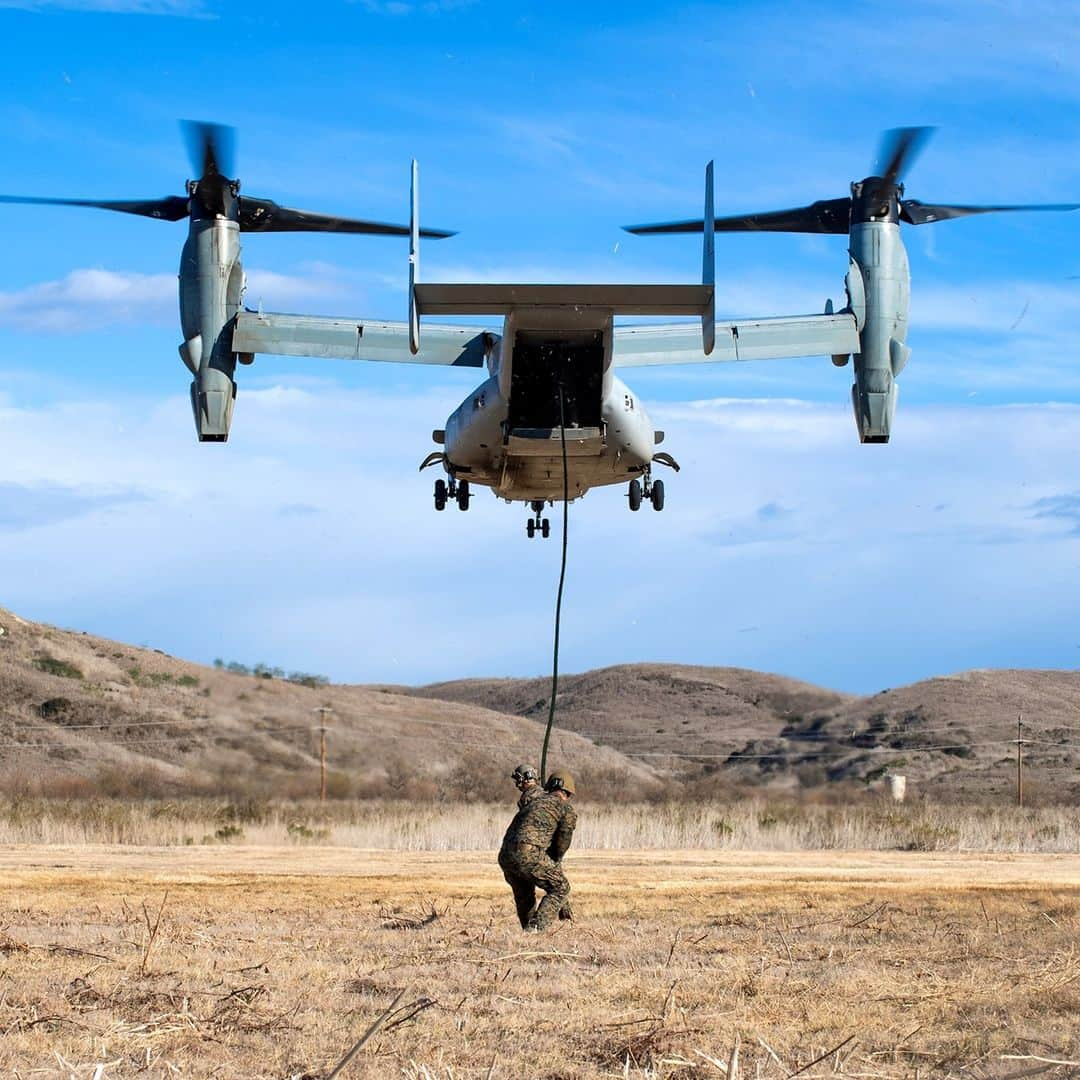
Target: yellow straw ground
<point x="266" y="962"/>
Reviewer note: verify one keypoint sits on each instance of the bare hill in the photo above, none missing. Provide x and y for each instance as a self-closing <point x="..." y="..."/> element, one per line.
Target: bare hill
<point x="87" y="715"/>
<point x="659" y="711"/>
<point x="953" y="737"/>
<point x="97" y="715"/>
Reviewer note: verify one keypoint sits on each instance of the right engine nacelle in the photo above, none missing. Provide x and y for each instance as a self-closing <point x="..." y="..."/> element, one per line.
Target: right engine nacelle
<point x="878" y="288"/>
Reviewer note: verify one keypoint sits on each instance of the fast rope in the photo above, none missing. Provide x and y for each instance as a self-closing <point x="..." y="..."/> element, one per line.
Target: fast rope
<point x="558" y="600"/>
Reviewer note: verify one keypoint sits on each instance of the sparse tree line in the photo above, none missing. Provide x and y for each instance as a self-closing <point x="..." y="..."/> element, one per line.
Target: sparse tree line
<point x="266" y="671"/>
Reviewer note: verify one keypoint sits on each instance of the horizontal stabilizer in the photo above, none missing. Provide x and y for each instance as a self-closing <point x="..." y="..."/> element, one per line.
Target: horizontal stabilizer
<point x="484" y="299"/>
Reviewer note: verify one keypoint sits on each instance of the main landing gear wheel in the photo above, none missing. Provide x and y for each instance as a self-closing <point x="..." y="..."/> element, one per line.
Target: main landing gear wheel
<point x="463" y="495"/>
<point x="440" y="494"/>
<point x="645" y="488"/>
<point x="530" y="528"/>
<point x="545" y="528"/>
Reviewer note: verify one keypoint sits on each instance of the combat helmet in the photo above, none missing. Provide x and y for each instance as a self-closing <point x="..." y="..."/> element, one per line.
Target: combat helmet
<point x="561" y="780"/>
<point x="523" y="773"/>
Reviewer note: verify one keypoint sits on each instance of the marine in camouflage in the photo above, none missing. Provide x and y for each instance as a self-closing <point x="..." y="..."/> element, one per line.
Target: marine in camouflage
<point x="527" y="781"/>
<point x="532" y="849"/>
<point x="528" y="793"/>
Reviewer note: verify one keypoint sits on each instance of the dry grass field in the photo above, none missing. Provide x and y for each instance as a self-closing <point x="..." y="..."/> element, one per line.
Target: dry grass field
<point x="746" y="825"/>
<point x="215" y="961"/>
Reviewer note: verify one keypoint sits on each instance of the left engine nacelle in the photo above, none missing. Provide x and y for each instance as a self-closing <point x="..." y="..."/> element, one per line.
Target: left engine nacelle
<point x="211" y="292"/>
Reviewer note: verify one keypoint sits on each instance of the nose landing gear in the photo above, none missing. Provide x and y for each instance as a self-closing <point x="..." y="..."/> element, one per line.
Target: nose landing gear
<point x="537" y="524"/>
<point x="458" y="490"/>
<point x="652" y="490"/>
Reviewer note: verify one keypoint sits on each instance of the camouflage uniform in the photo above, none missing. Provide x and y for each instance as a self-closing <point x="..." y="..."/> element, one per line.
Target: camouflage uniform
<point x="538" y="838"/>
<point x="529" y="794"/>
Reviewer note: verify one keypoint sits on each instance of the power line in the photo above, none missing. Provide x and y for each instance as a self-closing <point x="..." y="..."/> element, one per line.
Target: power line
<point x="596" y="736"/>
<point x="735" y="756"/>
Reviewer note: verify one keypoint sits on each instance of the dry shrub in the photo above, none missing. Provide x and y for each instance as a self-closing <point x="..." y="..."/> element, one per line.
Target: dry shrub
<point x="437" y="824"/>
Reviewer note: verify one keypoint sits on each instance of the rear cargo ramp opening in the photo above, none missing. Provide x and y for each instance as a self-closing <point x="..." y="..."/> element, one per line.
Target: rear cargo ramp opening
<point x="541" y="364"/>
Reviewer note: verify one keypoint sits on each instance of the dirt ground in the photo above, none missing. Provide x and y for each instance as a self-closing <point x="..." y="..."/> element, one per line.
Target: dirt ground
<point x="263" y="962"/>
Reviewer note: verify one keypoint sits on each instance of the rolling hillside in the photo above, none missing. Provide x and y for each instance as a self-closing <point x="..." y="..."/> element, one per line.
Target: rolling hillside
<point x="84" y="715"/>
<point x="94" y="712"/>
<point x="951" y="736"/>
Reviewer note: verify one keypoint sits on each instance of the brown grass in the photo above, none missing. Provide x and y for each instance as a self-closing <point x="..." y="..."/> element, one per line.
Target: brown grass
<point x="756" y="824"/>
<point x="274" y="962"/>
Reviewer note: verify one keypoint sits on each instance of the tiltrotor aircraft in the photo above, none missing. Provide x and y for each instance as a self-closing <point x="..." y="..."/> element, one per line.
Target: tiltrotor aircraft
<point x="551" y="394"/>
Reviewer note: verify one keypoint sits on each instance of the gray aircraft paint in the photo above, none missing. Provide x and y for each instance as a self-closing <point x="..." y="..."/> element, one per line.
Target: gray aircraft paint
<point x="478" y="442"/>
<point x="879" y="292"/>
<point x="211" y="292"/>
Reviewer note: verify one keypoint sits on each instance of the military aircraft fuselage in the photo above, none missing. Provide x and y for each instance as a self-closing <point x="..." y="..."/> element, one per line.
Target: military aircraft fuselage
<point x="550" y="372"/>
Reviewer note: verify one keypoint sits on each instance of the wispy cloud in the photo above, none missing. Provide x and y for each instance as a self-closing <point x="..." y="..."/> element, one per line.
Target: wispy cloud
<point x="1064" y="507"/>
<point x="398" y="8"/>
<point x="188" y="9"/>
<point x="89" y="299"/>
<point x="24" y="507"/>
<point x="779" y="520"/>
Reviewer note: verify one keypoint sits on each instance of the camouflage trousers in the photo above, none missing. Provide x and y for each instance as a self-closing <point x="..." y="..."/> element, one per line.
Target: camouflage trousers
<point x="528" y="869"/>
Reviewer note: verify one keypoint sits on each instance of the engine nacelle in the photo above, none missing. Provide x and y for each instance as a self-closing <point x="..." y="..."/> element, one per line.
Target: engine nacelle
<point x="879" y="289"/>
<point x="873" y="396"/>
<point x="211" y="292"/>
<point x="212" y="398"/>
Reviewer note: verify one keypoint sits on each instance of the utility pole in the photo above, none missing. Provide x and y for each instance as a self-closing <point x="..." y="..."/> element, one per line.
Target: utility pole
<point x="322" y="710"/>
<point x="1020" y="759"/>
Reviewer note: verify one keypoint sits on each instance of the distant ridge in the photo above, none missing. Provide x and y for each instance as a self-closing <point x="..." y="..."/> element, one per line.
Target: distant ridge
<point x="757" y="729"/>
<point x="82" y="714"/>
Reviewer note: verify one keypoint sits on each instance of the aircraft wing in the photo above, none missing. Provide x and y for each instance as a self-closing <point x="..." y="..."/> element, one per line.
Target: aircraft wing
<point x="752" y="339"/>
<point x="355" y="339"/>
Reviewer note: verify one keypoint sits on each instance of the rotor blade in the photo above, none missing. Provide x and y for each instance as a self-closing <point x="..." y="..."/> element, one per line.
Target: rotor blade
<point x="899" y="148"/>
<point x="171" y="208"/>
<point x="210" y="147"/>
<point x="918" y="213"/>
<point x="825" y="216"/>
<point x="264" y="215"/>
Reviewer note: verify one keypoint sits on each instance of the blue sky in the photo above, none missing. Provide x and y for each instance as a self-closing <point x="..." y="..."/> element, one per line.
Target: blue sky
<point x="309" y="540"/>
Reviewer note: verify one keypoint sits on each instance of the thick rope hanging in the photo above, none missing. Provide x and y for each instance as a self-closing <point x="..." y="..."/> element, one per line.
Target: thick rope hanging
<point x="558" y="601"/>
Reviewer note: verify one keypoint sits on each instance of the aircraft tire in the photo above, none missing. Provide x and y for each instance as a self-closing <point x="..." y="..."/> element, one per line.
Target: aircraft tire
<point x="657" y="496"/>
<point x="545" y="528"/>
<point x="440" y="494"/>
<point x="634" y="495"/>
<point x="530" y="528"/>
<point x="463" y="495"/>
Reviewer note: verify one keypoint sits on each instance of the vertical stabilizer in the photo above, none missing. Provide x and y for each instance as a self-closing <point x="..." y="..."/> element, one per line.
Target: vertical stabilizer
<point x="708" y="265"/>
<point x="414" y="259"/>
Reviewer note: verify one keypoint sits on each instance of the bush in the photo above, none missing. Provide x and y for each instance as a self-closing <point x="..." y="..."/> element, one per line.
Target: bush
<point x="300" y="832"/>
<point x="51" y="666"/>
<point x="54" y="709"/>
<point x="249" y="811"/>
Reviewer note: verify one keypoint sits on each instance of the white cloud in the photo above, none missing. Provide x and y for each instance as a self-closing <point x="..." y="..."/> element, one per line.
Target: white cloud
<point x="310" y="541"/>
<point x="92" y="298"/>
<point x="409" y="7"/>
<point x="184" y="8"/>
